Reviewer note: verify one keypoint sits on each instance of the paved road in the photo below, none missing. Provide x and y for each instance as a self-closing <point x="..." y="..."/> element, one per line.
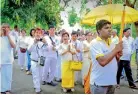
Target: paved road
<point x="23" y="84"/>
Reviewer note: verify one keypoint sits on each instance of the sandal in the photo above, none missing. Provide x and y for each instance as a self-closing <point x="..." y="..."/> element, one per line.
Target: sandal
<point x="133" y="87"/>
<point x="118" y="86"/>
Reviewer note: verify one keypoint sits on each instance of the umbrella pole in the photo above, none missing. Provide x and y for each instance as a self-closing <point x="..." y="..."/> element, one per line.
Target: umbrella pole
<point x="122" y="24"/>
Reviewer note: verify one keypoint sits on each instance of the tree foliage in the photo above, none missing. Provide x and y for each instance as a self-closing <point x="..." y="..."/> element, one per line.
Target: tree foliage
<point x="73" y="18"/>
<point x="31" y="13"/>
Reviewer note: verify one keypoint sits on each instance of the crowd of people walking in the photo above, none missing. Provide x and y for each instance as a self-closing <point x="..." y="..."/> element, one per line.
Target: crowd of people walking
<point x="48" y="55"/>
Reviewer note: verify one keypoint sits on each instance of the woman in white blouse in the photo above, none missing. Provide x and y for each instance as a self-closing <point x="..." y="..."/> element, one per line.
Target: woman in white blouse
<point x="66" y="51"/>
<point x="6" y="52"/>
<point x="22" y="43"/>
<point x="86" y="55"/>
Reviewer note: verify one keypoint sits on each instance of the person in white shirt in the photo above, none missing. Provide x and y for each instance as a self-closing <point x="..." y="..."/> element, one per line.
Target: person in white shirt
<point x="136" y="57"/>
<point x="104" y="55"/>
<point x="15" y="34"/>
<point x="30" y="42"/>
<point x="66" y="51"/>
<point x="86" y="55"/>
<point x="7" y="43"/>
<point x="115" y="40"/>
<point x="58" y="67"/>
<point x="38" y="50"/>
<point x="128" y="50"/>
<point x="136" y="48"/>
<point x="114" y="37"/>
<point x="22" y="43"/>
<point x="51" y="58"/>
<point x="78" y="55"/>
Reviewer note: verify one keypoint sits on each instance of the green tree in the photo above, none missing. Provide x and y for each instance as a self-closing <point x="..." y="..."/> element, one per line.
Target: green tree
<point x="73" y="18"/>
<point x="30" y="13"/>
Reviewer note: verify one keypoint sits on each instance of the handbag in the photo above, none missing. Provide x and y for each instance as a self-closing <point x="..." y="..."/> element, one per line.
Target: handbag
<point x="41" y="59"/>
<point x="75" y="65"/>
<point x="23" y="50"/>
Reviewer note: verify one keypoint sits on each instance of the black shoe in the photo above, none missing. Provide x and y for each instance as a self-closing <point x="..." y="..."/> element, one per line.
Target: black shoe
<point x="16" y="57"/>
<point x="43" y="83"/>
<point x="52" y="83"/>
<point x="3" y="93"/>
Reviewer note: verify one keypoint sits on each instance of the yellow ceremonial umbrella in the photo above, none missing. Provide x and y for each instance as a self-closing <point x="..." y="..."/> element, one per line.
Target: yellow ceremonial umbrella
<point x="115" y="13"/>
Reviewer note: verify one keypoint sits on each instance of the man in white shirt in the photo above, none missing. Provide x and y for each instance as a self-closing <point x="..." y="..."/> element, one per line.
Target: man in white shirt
<point x="78" y="47"/>
<point x="15" y="34"/>
<point x="136" y="48"/>
<point x="114" y="37"/>
<point x="51" y="58"/>
<point x="128" y="50"/>
<point x="104" y="56"/>
<point x="115" y="40"/>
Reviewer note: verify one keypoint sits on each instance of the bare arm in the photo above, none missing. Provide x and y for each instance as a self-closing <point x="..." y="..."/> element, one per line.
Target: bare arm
<point x="104" y="60"/>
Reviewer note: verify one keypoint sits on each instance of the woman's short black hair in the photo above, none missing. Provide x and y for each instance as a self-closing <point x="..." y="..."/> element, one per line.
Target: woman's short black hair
<point x="31" y="32"/>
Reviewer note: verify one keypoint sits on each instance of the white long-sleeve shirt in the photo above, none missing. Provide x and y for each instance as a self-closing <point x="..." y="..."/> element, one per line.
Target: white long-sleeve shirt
<point x="6" y="51"/>
<point x="128" y="48"/>
<point x="22" y="40"/>
<point x="86" y="46"/>
<point x="37" y="50"/>
<point x="50" y="52"/>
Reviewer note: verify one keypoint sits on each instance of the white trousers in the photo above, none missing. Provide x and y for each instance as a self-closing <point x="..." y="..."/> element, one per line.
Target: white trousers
<point x="58" y="68"/>
<point x="50" y="65"/>
<point x="22" y="59"/>
<point x="37" y="75"/>
<point x="5" y="77"/>
<point x="85" y="68"/>
<point x="77" y="73"/>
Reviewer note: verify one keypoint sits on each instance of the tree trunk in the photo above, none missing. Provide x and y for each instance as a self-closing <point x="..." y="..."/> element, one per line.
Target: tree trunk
<point x="110" y="1"/>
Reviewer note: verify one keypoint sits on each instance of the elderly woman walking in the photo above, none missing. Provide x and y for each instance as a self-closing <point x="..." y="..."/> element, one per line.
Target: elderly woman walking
<point x="7" y="43"/>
